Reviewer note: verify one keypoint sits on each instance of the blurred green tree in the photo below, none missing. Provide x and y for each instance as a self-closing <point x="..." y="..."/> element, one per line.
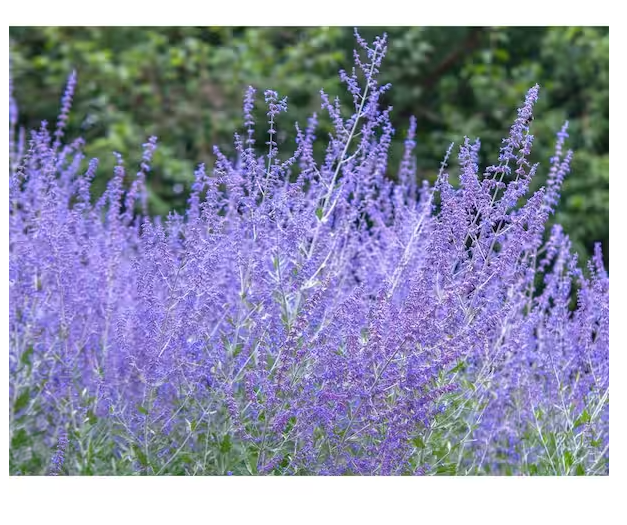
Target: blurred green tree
<point x="185" y="85"/>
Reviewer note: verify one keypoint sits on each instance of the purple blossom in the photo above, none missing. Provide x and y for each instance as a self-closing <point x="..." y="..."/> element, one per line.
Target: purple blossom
<point x="309" y="317"/>
<point x="66" y="105"/>
<point x="58" y="458"/>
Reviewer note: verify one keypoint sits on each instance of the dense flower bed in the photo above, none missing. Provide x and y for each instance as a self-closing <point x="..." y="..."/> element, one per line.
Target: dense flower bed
<point x="303" y="316"/>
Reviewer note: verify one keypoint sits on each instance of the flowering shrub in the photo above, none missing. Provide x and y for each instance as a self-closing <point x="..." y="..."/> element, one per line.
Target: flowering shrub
<point x="303" y="317"/>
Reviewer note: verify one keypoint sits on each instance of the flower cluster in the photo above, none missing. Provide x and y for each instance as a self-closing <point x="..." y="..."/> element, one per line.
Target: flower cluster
<point x="307" y="316"/>
<point x="59" y="457"/>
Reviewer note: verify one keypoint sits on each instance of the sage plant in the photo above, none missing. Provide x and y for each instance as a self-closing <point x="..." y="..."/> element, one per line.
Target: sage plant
<point x="303" y="315"/>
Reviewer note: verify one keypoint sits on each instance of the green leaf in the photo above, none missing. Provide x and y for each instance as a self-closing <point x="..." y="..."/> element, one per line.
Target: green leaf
<point x="141" y="457"/>
<point x="142" y="410"/>
<point x="25" y="359"/>
<point x="319" y="213"/>
<point x="579" y="470"/>
<point x="418" y="442"/>
<point x="568" y="459"/>
<point x="91" y="417"/>
<point x="251" y="462"/>
<point x="238" y="349"/>
<point x="582" y="419"/>
<point x="20" y="439"/>
<point x="22" y="400"/>
<point x="447" y="470"/>
<point x="226" y="445"/>
<point x="440" y="452"/>
<point x="460" y="366"/>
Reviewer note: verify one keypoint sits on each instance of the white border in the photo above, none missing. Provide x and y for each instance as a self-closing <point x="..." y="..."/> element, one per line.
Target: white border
<point x="334" y="500"/>
<point x="318" y="13"/>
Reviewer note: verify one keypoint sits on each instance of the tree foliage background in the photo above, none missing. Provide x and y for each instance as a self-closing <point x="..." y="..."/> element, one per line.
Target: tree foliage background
<point x="185" y="85"/>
